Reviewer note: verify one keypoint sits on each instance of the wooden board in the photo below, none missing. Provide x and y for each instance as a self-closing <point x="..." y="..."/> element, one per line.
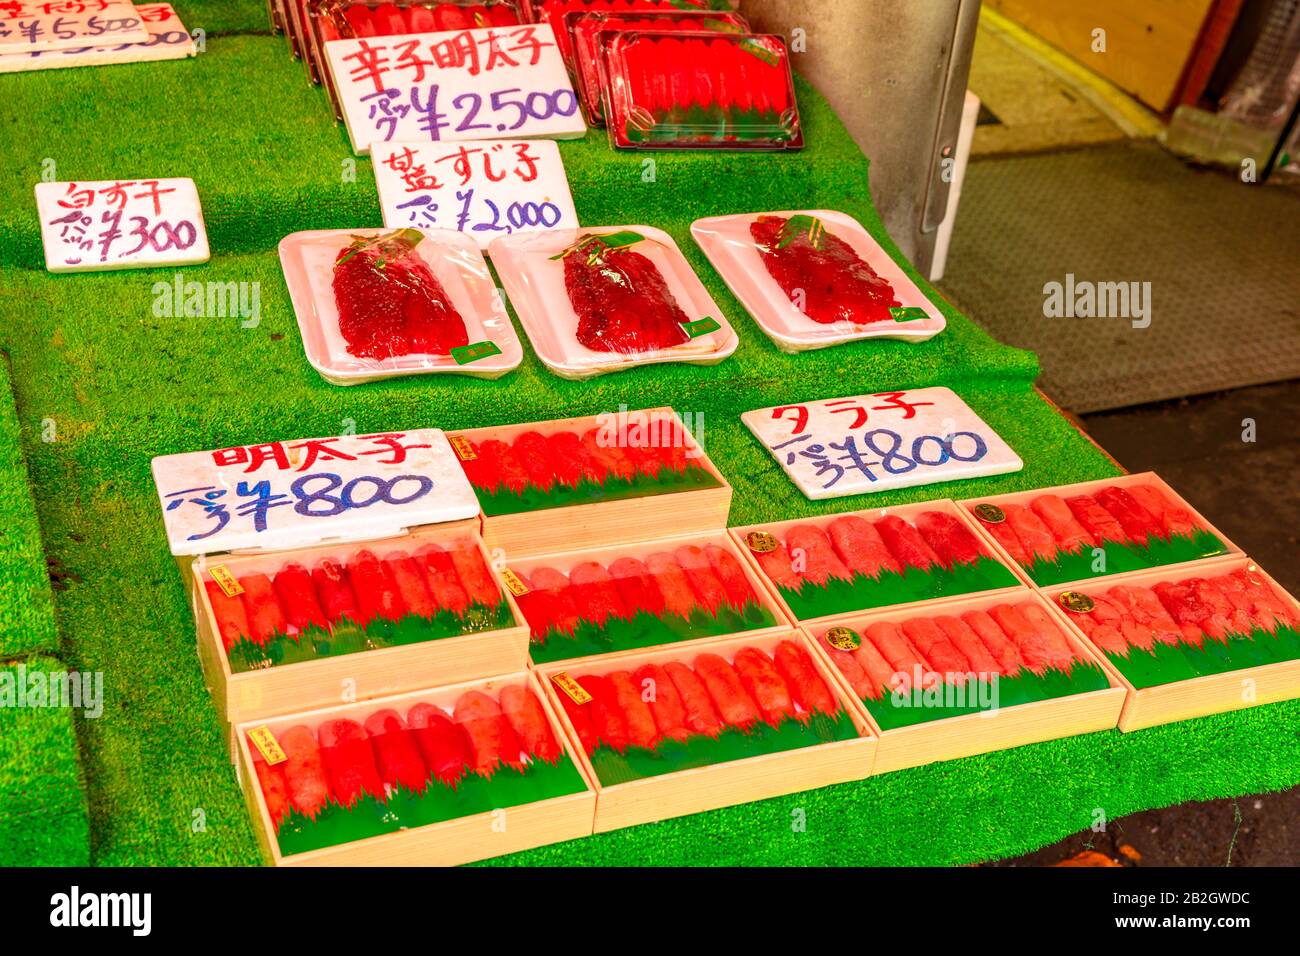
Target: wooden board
<point x="1147" y="44"/>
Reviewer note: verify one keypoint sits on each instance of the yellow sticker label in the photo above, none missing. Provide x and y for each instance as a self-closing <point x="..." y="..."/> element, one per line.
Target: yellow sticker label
<point x="514" y="583"/>
<point x="1076" y="601"/>
<point x="463" y="447"/>
<point x="571" y="687"/>
<point x="760" y="542"/>
<point x="267" y="745"/>
<point x="843" y="639"/>
<point x="990" y="513"/>
<point x="228" y="583"/>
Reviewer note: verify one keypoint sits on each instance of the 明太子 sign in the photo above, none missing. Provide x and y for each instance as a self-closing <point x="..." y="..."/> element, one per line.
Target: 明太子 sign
<point x="483" y="189"/>
<point x="866" y="443"/>
<point x="120" y="224"/>
<point x="479" y="84"/>
<point x="292" y="493"/>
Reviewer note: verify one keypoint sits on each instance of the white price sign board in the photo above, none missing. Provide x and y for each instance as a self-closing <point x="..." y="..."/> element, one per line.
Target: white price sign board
<point x="168" y="40"/>
<point x="853" y="446"/>
<point x="485" y="83"/>
<point x="27" y="27"/>
<point x="483" y="189"/>
<point x="293" y="493"/>
<point x="121" y="224"/>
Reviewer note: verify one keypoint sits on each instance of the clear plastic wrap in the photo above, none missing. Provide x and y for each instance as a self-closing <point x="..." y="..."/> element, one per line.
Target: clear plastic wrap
<point x="814" y="277"/>
<point x="373" y="304"/>
<point x="601" y="300"/>
<point x="589" y="32"/>
<point x="668" y="89"/>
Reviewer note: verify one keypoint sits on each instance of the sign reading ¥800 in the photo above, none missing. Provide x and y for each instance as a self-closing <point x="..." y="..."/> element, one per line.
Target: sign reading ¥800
<point x="290" y="493"/>
<point x="850" y="446"/>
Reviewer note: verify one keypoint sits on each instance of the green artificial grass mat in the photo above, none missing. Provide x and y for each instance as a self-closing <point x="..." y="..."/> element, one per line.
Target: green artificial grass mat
<point x="26" y="611"/>
<point x="503" y="500"/>
<point x="42" y="802"/>
<point x="123" y="385"/>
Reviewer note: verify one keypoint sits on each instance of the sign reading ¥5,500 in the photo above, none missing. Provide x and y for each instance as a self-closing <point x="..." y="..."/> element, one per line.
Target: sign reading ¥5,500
<point x="32" y="26"/>
<point x="852" y="446"/>
<point x="486" y="83"/>
<point x="290" y="493"/>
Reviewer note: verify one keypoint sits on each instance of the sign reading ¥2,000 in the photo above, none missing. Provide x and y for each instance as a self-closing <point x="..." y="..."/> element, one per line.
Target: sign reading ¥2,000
<point x="866" y="443"/>
<point x="484" y="190"/>
<point x="485" y="83"/>
<point x="292" y="493"/>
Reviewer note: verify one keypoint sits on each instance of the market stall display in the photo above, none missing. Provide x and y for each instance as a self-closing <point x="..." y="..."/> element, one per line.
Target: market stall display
<point x="591" y="481"/>
<point x="956" y="678"/>
<point x="671" y="732"/>
<point x="440" y="776"/>
<point x="833" y="564"/>
<point x="1193" y="640"/>
<point x="373" y="304"/>
<point x="595" y="301"/>
<point x="1096" y="528"/>
<point x="638" y="595"/>
<point x="815" y="278"/>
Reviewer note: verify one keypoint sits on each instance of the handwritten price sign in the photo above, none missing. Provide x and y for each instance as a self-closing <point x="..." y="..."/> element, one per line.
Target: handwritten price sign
<point x="168" y="40"/>
<point x="121" y="224"/>
<point x="284" y="494"/>
<point x="27" y="27"/>
<point x="484" y="190"/>
<point x="487" y="83"/>
<point x="853" y="446"/>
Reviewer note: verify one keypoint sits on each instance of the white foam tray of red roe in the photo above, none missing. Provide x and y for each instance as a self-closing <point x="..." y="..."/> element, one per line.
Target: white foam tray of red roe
<point x="732" y="250"/>
<point x="455" y="261"/>
<point x="534" y="278"/>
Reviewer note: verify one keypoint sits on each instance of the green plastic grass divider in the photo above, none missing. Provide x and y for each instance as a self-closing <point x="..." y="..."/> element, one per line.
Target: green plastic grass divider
<point x="920" y="706"/>
<point x="1170" y="663"/>
<point x="862" y="592"/>
<point x="508" y="501"/>
<point x="348" y="637"/>
<point x="439" y="802"/>
<point x="648" y="630"/>
<point x="733" y="743"/>
<point x="1125" y="556"/>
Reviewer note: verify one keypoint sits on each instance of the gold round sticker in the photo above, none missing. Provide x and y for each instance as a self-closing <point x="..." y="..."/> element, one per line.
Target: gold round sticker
<point x="843" y="639"/>
<point x="1075" y="601"/>
<point x="990" y="513"/>
<point x="760" y="542"/>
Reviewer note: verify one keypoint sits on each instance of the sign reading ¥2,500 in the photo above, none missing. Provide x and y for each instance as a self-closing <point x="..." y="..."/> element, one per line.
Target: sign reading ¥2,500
<point x="291" y="493"/>
<point x="866" y="443"/>
<point x="485" y="83"/>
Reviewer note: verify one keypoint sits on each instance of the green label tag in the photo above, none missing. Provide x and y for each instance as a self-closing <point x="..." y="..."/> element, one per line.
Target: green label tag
<point x="700" y="327"/>
<point x="755" y="48"/>
<point x="464" y="354"/>
<point x="912" y="313"/>
<point x="801" y="227"/>
<point x="592" y="244"/>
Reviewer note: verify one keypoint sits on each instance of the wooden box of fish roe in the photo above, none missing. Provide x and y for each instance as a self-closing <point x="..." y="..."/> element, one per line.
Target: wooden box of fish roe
<point x="967" y="676"/>
<point x="828" y="565"/>
<point x="685" y="729"/>
<point x="1057" y="536"/>
<point x="1191" y="640"/>
<point x="594" y="481"/>
<point x="320" y="572"/>
<point x="640" y="595"/>
<point x="432" y="777"/>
